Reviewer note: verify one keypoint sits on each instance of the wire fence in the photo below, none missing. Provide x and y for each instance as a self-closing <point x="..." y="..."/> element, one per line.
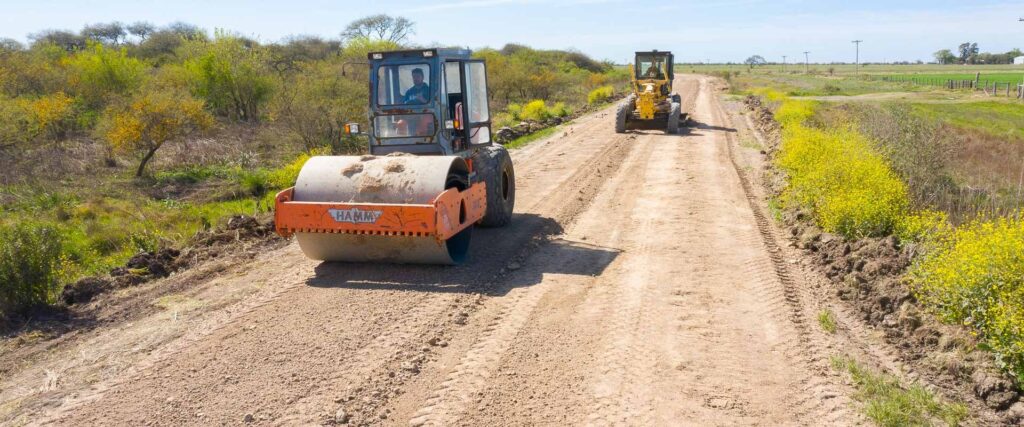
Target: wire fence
<point x="991" y="88"/>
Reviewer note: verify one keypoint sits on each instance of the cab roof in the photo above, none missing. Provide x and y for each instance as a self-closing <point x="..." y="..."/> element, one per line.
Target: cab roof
<point x="443" y="53"/>
<point x="654" y="52"/>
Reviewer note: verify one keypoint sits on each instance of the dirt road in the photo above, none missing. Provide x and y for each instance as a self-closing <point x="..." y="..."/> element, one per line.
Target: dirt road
<point x="639" y="284"/>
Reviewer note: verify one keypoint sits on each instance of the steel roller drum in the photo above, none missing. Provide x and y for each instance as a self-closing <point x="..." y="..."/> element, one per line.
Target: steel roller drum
<point x="394" y="179"/>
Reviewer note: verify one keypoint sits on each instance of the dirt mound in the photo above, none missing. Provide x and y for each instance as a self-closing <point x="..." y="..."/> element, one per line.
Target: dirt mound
<point x="869" y="274"/>
<point x="148" y="266"/>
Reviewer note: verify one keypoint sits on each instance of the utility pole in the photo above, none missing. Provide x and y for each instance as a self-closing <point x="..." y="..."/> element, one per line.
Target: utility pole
<point x="856" y="66"/>
<point x="807" y="63"/>
<point x="783" y="63"/>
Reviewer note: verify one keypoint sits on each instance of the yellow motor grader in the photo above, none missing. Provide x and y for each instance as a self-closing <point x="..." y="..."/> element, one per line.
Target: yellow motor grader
<point x="652" y="105"/>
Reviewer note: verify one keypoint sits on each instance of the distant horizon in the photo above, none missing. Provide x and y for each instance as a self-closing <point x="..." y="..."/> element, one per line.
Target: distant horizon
<point x="718" y="33"/>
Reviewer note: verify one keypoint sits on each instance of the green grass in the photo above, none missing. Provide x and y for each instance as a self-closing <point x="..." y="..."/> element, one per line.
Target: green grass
<point x="827" y="320"/>
<point x="103" y="227"/>
<point x="998" y="77"/>
<point x="1001" y="119"/>
<point x="892" y="405"/>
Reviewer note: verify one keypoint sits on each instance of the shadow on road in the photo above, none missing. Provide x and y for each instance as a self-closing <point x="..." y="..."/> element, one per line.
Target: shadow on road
<point x="524" y="251"/>
<point x="704" y="126"/>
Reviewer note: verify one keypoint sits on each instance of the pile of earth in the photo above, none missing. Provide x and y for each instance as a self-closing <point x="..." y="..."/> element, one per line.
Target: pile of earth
<point x="147" y="266"/>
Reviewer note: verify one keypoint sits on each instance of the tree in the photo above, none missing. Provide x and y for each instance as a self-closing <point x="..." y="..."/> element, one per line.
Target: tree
<point x="141" y="29"/>
<point x="110" y="33"/>
<point x="188" y="31"/>
<point x="968" y="52"/>
<point x="151" y="120"/>
<point x="944" y="56"/>
<point x="10" y="45"/>
<point x="99" y="72"/>
<point x="233" y="77"/>
<point x="66" y="40"/>
<point x="754" y="61"/>
<point x="381" y="27"/>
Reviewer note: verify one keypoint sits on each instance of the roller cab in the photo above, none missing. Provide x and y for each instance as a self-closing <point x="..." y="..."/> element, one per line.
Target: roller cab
<point x="432" y="173"/>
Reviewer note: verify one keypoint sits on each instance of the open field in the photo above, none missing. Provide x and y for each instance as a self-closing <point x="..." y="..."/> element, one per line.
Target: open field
<point x="870" y="69"/>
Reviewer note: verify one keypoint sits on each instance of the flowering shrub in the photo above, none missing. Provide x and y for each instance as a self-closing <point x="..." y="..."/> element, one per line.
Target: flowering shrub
<point x="975" y="277"/>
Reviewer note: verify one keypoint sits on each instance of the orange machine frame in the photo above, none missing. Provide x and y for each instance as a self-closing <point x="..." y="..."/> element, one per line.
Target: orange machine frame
<point x="451" y="212"/>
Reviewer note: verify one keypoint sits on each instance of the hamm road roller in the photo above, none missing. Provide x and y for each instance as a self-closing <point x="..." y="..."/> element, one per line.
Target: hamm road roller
<point x="432" y="172"/>
<point x="652" y="105"/>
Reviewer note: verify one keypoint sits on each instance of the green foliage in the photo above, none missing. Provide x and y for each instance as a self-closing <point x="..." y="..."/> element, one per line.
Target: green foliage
<point x="98" y="73"/>
<point x="827" y="321"/>
<point x="999" y="119"/>
<point x="517" y="74"/>
<point x="230" y="75"/>
<point x="317" y="102"/>
<point x="975" y="277"/>
<point x="14" y="123"/>
<point x="836" y="174"/>
<point x="31" y="266"/>
<point x="891" y="405"/>
<point x="600" y="95"/>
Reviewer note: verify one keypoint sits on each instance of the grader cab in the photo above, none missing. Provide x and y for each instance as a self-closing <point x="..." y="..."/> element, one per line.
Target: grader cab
<point x="652" y="105"/>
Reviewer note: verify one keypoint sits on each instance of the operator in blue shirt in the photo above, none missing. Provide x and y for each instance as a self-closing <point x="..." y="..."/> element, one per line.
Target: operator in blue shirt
<point x="419" y="93"/>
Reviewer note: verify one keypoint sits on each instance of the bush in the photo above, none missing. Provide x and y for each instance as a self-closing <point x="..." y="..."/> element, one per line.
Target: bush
<point x="975" y="277"/>
<point x="835" y="174"/>
<point x="232" y="77"/>
<point x="535" y="110"/>
<point x="52" y="116"/>
<point x="31" y="266"/>
<point x="14" y="123"/>
<point x="98" y="73"/>
<point x="600" y="95"/>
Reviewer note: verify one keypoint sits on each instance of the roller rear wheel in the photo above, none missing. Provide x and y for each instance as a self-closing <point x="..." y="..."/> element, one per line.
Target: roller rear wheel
<point x="494" y="167"/>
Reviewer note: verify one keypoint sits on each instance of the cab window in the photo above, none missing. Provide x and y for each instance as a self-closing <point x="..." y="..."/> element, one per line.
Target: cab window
<point x="407" y="84"/>
<point x="650" y="68"/>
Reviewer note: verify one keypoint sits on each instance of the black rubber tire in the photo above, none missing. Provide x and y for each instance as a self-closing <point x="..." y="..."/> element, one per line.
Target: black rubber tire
<point x="621" y="115"/>
<point x="673" y="119"/>
<point x="494" y="167"/>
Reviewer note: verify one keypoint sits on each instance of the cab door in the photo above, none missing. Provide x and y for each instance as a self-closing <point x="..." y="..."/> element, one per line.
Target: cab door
<point x="476" y="113"/>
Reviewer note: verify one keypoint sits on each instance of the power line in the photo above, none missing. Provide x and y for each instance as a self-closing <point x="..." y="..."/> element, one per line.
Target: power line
<point x="856" y="66"/>
<point x="807" y="62"/>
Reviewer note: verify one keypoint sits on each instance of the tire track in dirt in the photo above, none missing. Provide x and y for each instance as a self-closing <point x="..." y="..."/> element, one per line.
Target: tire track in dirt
<point x="821" y="398"/>
<point x="676" y="329"/>
<point x="456" y="393"/>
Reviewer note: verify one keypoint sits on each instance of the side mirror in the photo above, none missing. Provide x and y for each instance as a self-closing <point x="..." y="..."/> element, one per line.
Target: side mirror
<point x="352" y="129"/>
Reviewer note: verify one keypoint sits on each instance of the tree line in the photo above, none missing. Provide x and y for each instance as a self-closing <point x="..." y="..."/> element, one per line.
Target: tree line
<point x="969" y="53"/>
<point x="137" y="86"/>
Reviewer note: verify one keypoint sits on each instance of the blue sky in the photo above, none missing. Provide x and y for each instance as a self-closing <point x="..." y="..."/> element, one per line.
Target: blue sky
<point x="696" y="30"/>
